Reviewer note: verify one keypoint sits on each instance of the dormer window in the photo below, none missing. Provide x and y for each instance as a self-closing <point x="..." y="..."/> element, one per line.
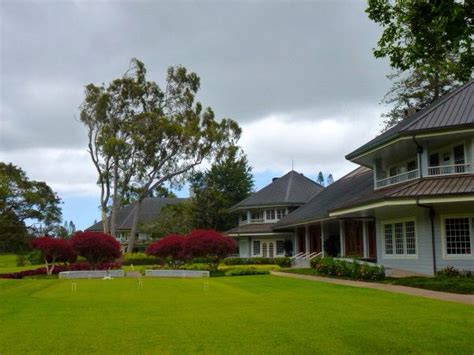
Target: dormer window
<point x="281" y="212"/>
<point x="256" y="216"/>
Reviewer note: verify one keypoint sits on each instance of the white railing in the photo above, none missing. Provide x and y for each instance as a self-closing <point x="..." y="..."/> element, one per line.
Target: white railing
<point x="314" y="255"/>
<point x="307" y="256"/>
<point x="449" y="169"/>
<point x="396" y="179"/>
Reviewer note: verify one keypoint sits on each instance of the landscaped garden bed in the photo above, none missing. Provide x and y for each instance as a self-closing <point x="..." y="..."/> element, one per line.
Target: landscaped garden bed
<point x="446" y="280"/>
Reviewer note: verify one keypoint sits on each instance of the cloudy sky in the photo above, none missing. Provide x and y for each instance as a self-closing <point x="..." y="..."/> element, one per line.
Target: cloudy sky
<point x="299" y="77"/>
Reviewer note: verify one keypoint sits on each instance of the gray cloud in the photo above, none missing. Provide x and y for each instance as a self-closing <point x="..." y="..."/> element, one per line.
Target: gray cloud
<point x="254" y="58"/>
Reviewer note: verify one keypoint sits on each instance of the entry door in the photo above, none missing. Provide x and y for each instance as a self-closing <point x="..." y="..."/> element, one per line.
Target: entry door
<point x="264" y="250"/>
<point x="271" y="250"/>
<point x="354" y="240"/>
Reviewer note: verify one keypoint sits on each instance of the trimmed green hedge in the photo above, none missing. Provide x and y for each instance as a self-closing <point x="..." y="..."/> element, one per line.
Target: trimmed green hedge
<point x="242" y="271"/>
<point x="282" y="262"/>
<point x="140" y="259"/>
<point x="340" y="268"/>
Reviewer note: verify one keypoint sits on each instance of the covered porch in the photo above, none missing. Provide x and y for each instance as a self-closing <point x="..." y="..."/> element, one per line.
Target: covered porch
<point x="351" y="237"/>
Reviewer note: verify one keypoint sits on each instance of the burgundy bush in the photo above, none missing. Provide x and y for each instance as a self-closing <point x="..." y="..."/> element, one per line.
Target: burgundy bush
<point x="170" y="249"/>
<point x="58" y="269"/>
<point x="54" y="250"/>
<point x="96" y="247"/>
<point x="209" y="244"/>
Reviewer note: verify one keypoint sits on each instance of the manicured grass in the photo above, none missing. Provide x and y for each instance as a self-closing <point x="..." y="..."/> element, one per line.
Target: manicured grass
<point x="8" y="264"/>
<point x="248" y="314"/>
<point x="463" y="285"/>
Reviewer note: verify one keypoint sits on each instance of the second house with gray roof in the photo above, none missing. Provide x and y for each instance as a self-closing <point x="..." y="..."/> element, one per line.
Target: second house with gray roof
<point x="259" y="212"/>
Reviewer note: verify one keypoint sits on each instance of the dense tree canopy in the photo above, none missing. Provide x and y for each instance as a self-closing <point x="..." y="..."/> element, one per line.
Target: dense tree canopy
<point x="429" y="45"/>
<point x="142" y="136"/>
<point x="30" y="200"/>
<point x="54" y="250"/>
<point x="227" y="182"/>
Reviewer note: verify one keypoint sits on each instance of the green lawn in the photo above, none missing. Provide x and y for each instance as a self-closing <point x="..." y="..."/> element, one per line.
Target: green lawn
<point x="248" y="314"/>
<point x="8" y="264"/>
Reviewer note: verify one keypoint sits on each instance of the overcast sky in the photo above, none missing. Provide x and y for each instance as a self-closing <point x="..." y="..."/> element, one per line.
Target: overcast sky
<point x="299" y="77"/>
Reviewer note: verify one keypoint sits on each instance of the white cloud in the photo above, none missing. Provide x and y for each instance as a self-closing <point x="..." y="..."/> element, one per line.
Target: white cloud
<point x="69" y="172"/>
<point x="272" y="143"/>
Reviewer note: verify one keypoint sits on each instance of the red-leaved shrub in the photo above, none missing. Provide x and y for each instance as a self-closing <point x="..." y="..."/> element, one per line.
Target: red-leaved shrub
<point x="209" y="244"/>
<point x="54" y="250"/>
<point x="169" y="248"/>
<point x="96" y="247"/>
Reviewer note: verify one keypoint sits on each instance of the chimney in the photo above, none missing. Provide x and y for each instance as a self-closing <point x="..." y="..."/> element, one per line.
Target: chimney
<point x="410" y="111"/>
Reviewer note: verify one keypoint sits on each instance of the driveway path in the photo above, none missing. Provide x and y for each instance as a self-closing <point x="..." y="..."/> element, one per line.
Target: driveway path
<point x="437" y="295"/>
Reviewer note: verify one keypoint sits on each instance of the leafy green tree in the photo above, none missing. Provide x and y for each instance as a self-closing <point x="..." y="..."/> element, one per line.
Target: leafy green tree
<point x="173" y="219"/>
<point x="429" y="45"/>
<point x="14" y="237"/>
<point x="171" y="133"/>
<point x="31" y="201"/>
<point x="320" y="179"/>
<point x="227" y="182"/>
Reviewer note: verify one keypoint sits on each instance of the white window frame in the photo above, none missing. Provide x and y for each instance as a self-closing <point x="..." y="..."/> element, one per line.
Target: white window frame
<point x="268" y="241"/>
<point x="274" y="215"/>
<point x="443" y="236"/>
<point x="394" y="246"/>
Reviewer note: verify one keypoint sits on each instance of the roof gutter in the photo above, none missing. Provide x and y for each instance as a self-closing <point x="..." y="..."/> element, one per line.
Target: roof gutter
<point x="432" y="217"/>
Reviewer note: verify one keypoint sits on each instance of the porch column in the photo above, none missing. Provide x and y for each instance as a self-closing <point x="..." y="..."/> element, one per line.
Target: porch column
<point x="250" y="247"/>
<point x="306" y="237"/>
<point x="322" y="239"/>
<point x="365" y="236"/>
<point x="296" y="245"/>
<point x="342" y="238"/>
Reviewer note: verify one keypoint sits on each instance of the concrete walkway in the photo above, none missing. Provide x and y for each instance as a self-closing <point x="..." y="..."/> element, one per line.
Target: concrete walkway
<point x="443" y="296"/>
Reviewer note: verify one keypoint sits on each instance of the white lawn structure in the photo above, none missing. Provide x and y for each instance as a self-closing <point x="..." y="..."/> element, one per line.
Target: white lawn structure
<point x="177" y="273"/>
<point x="91" y="274"/>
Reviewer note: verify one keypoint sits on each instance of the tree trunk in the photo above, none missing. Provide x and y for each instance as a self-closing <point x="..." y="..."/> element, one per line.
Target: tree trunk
<point x="115" y="204"/>
<point x="133" y="231"/>
<point x="105" y="222"/>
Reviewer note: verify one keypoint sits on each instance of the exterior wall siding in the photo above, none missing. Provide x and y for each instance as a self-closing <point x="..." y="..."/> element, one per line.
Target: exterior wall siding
<point x="424" y="262"/>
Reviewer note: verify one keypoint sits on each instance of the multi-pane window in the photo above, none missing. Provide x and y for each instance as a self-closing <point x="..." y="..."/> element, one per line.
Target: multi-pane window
<point x="410" y="237"/>
<point x="256" y="215"/>
<point x="281" y="213"/>
<point x="280" y="247"/>
<point x="400" y="238"/>
<point x="243" y="217"/>
<point x="270" y="214"/>
<point x="388" y="239"/>
<point x="458" y="235"/>
<point x="256" y="247"/>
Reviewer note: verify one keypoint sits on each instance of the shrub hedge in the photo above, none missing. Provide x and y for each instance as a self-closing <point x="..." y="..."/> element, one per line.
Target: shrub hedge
<point x="58" y="268"/>
<point x="140" y="259"/>
<point x="242" y="271"/>
<point x="452" y="272"/>
<point x="340" y="268"/>
<point x="282" y="262"/>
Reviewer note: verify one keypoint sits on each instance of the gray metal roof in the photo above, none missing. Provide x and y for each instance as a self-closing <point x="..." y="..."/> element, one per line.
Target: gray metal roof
<point x="356" y="183"/>
<point x="292" y="189"/>
<point x="426" y="187"/>
<point x="150" y="208"/>
<point x="455" y="109"/>
<point x="251" y="228"/>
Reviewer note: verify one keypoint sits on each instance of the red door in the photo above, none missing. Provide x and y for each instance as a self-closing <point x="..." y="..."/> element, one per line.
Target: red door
<point x="315" y="238"/>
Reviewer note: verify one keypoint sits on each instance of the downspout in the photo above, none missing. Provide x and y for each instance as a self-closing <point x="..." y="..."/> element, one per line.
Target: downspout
<point x="432" y="217"/>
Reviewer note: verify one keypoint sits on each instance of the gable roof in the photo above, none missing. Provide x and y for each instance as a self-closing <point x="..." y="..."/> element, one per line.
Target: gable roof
<point x="358" y="182"/>
<point x="291" y="189"/>
<point x="455" y="109"/>
<point x="149" y="210"/>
